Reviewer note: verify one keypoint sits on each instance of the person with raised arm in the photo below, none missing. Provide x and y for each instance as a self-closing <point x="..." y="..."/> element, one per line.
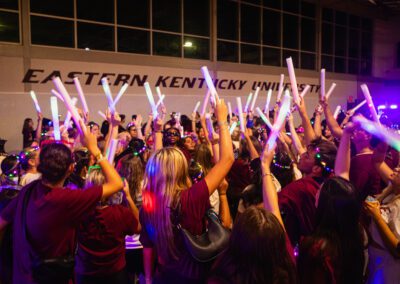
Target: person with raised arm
<point x="332" y="123"/>
<point x="169" y="199"/>
<point x="52" y="208"/>
<point x="309" y="133"/>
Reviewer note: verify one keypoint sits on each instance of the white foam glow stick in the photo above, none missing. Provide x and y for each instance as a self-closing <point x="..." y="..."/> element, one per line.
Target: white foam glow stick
<point x="35" y="101"/>
<point x="81" y="95"/>
<point x="269" y="94"/>
<point x="102" y="114"/>
<point x="107" y="91"/>
<point x="196" y="107"/>
<point x="264" y="118"/>
<point x="322" y="82"/>
<point x="232" y="128"/>
<point x="56" y="123"/>
<point x="305" y="90"/>
<point x="160" y="101"/>
<point x="246" y="107"/>
<point x="68" y="103"/>
<point x="112" y="148"/>
<point x="354" y="109"/>
<point x="370" y="103"/>
<point x="329" y="93"/>
<point x="337" y="111"/>
<point x="293" y="81"/>
<point x="120" y="93"/>
<point x="390" y="137"/>
<point x="280" y="89"/>
<point x="150" y="97"/>
<point x="280" y="120"/>
<point x="240" y="110"/>
<point x="158" y="90"/>
<point x="209" y="124"/>
<point x="230" y="111"/>
<point x="57" y="94"/>
<point x="210" y="83"/>
<point x="68" y="116"/>
<point x="254" y="99"/>
<point x="205" y="103"/>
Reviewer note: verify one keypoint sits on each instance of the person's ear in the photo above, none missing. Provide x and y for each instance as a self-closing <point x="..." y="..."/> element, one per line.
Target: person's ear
<point x="31" y="162"/>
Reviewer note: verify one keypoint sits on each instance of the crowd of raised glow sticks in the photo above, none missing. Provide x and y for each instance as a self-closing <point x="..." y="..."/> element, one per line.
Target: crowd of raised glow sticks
<point x="211" y="98"/>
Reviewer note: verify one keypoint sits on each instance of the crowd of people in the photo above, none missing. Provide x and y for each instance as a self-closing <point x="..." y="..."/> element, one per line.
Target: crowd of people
<point x="183" y="202"/>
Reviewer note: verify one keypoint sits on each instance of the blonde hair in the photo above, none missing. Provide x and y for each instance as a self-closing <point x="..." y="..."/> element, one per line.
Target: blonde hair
<point x="166" y="177"/>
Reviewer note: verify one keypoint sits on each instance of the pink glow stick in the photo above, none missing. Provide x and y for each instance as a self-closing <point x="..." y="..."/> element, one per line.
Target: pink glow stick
<point x="120" y="93"/>
<point x="107" y="91"/>
<point x="230" y="111"/>
<point x="56" y="123"/>
<point x="81" y="95"/>
<point x="240" y="110"/>
<point x="337" y="111"/>
<point x="329" y="93"/>
<point x="390" y="137"/>
<point x="57" y="94"/>
<point x="205" y="103"/>
<point x="293" y="81"/>
<point x="280" y="89"/>
<point x="209" y="124"/>
<point x="354" y="109"/>
<point x="322" y="82"/>
<point x="246" y="107"/>
<point x="264" y="118"/>
<point x="210" y="83"/>
<point x="68" y="116"/>
<point x="112" y="148"/>
<point x="150" y="97"/>
<point x="305" y="90"/>
<point x="160" y="101"/>
<point x="370" y="103"/>
<point x="269" y="94"/>
<point x="102" y="114"/>
<point x="196" y="107"/>
<point x="280" y="120"/>
<point x="35" y="101"/>
<point x="254" y="99"/>
<point x="158" y="90"/>
<point x="68" y="103"/>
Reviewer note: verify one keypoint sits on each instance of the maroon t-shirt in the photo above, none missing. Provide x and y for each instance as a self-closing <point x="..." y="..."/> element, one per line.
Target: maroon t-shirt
<point x="238" y="178"/>
<point x="364" y="176"/>
<point x="52" y="217"/>
<point x="194" y="204"/>
<point x="101" y="240"/>
<point x="297" y="204"/>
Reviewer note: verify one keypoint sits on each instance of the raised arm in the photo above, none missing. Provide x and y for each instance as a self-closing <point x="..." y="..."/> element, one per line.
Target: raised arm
<point x="295" y="138"/>
<point x="39" y="126"/>
<point x="224" y="212"/>
<point x="317" y="121"/>
<point x="138" y="124"/>
<point x="222" y="167"/>
<point x="342" y="162"/>
<point x="334" y="127"/>
<point x="114" y="121"/>
<point x="147" y="129"/>
<point x="378" y="159"/>
<point x="132" y="205"/>
<point x="309" y="134"/>
<point x="253" y="152"/>
<point x="158" y="136"/>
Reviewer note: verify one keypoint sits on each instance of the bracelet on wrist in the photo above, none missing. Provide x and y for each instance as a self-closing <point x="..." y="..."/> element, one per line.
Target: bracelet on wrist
<point x="222" y="123"/>
<point x="266" y="174"/>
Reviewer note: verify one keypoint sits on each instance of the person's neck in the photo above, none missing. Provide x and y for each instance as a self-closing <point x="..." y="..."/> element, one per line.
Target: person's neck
<point x="32" y="171"/>
<point x="362" y="148"/>
<point x="54" y="185"/>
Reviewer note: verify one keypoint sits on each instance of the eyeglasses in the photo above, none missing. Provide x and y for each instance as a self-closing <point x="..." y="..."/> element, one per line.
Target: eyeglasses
<point x="169" y="134"/>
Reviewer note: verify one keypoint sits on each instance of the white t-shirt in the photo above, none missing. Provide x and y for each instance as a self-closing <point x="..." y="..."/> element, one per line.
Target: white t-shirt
<point x="28" y="178"/>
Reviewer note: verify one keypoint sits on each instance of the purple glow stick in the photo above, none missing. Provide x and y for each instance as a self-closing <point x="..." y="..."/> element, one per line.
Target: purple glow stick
<point x="280" y="89"/>
<point x="240" y="110"/>
<point x="107" y="91"/>
<point x="209" y="124"/>
<point x="293" y="81"/>
<point x="81" y="94"/>
<point x="305" y="90"/>
<point x="269" y="94"/>
<point x="230" y="111"/>
<point x="56" y="123"/>
<point x="68" y="116"/>
<point x="232" y="128"/>
<point x="337" y="111"/>
<point x="102" y="114"/>
<point x="120" y="93"/>
<point x="112" y="148"/>
<point x="246" y="107"/>
<point x="370" y="103"/>
<point x="158" y="90"/>
<point x="57" y="94"/>
<point x="160" y="101"/>
<point x="264" y="118"/>
<point x="150" y="97"/>
<point x="328" y="94"/>
<point x="35" y="101"/>
<point x="196" y="107"/>
<point x="354" y="109"/>
<point x="210" y="83"/>
<point x="254" y="99"/>
<point x="280" y="120"/>
<point x="322" y="82"/>
<point x="205" y="103"/>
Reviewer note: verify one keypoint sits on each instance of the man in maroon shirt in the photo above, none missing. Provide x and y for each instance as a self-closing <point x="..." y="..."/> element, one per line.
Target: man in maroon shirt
<point x="53" y="212"/>
<point x="297" y="199"/>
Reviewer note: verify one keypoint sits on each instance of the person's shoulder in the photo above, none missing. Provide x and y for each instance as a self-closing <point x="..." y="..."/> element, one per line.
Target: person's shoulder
<point x="317" y="247"/>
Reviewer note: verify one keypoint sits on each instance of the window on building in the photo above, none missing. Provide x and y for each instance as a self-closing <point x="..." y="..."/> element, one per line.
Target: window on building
<point x="99" y="11"/>
<point x="227" y="20"/>
<point x="167" y="44"/>
<point x="133" y="41"/>
<point x="196" y="47"/>
<point x="197" y="17"/>
<point x="96" y="37"/>
<point x="9" y="19"/>
<point x="227" y="51"/>
<point x="167" y="15"/>
<point x="53" y="32"/>
<point x="133" y="13"/>
<point x="63" y="8"/>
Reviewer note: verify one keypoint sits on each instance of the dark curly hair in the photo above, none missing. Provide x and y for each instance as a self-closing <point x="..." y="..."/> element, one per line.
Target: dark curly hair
<point x="54" y="161"/>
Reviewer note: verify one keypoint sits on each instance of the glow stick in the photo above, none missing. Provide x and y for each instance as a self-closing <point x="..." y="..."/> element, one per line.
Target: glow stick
<point x="264" y="118"/>
<point x="150" y="97"/>
<point x="246" y="107"/>
<point x="196" y="107"/>
<point x="240" y="110"/>
<point x="120" y="93"/>
<point x="35" y="101"/>
<point x="205" y="103"/>
<point x="107" y="91"/>
<point x="68" y="103"/>
<point x="232" y="128"/>
<point x="254" y="99"/>
<point x="280" y="120"/>
<point x="160" y="101"/>
<point x="102" y="114"/>
<point x="230" y="111"/>
<point x="328" y="94"/>
<point x="158" y="90"/>
<point x="68" y="116"/>
<point x="209" y="124"/>
<point x="112" y="148"/>
<point x="56" y="123"/>
<point x="210" y="83"/>
<point x="57" y="94"/>
<point x="269" y="94"/>
<point x="337" y="111"/>
<point x="280" y="90"/>
<point x="305" y="90"/>
<point x="370" y="103"/>
<point x="293" y="81"/>
<point x="354" y="109"/>
<point x="322" y="82"/>
<point x="81" y="95"/>
<point x="390" y="137"/>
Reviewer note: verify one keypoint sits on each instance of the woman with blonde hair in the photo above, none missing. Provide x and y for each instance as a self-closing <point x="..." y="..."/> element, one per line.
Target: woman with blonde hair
<point x="169" y="198"/>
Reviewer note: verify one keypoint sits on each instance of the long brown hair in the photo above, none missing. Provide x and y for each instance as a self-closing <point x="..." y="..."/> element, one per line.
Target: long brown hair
<point x="132" y="169"/>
